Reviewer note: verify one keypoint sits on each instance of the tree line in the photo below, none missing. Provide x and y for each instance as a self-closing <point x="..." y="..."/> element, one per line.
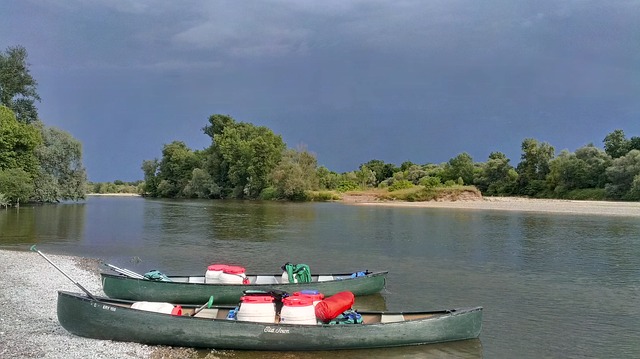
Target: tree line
<point x="38" y="163"/>
<point x="44" y="164"/>
<point x="245" y="161"/>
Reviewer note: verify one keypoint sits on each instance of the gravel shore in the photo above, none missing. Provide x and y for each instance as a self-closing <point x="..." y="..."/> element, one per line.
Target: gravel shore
<point x="29" y="325"/>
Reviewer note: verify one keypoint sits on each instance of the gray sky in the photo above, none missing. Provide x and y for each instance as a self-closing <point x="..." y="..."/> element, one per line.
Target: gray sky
<point x="353" y="81"/>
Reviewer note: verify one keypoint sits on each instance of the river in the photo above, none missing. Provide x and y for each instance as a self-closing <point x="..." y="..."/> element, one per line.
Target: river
<point x="552" y="285"/>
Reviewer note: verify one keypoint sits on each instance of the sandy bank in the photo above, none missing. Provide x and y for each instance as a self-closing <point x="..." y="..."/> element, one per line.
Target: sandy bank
<point x="631" y="209"/>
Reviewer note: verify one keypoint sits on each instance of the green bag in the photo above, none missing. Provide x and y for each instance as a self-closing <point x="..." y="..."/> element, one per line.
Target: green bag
<point x="156" y="275"/>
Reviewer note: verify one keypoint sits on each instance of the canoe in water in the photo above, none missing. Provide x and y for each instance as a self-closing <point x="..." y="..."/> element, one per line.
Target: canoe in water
<point x="112" y="319"/>
<point x="194" y="290"/>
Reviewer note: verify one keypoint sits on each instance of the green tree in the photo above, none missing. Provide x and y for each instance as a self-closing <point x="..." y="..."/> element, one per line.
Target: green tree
<point x="622" y="174"/>
<point x="460" y="166"/>
<point x="295" y="174"/>
<point x="496" y="176"/>
<point x="201" y="185"/>
<point x="382" y="170"/>
<point x="17" y="87"/>
<point x="365" y="177"/>
<point x="18" y="142"/>
<point x="414" y="173"/>
<point x="616" y="144"/>
<point x="596" y="161"/>
<point x="328" y="180"/>
<point x="634" y="143"/>
<point x="534" y="167"/>
<point x="151" y="180"/>
<point x="61" y="174"/>
<point x="175" y="169"/>
<point x="250" y="153"/>
<point x="16" y="185"/>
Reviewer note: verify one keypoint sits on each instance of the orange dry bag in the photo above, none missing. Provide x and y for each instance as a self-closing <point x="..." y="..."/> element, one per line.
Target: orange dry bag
<point x="333" y="306"/>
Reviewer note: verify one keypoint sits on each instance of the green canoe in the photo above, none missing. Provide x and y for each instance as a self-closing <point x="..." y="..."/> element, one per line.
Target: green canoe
<point x="193" y="290"/>
<point x="112" y="319"/>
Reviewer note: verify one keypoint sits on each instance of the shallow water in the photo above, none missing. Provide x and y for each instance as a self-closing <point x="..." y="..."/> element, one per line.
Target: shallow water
<point x="552" y="285"/>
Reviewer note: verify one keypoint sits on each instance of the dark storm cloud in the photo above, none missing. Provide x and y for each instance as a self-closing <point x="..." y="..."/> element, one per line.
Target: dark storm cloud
<point x="353" y="80"/>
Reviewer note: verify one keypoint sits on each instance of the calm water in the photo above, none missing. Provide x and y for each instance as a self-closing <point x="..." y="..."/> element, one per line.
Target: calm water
<point x="552" y="286"/>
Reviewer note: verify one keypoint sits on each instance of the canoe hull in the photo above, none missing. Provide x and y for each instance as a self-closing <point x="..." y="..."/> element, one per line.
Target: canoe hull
<point x="121" y="287"/>
<point x="101" y="319"/>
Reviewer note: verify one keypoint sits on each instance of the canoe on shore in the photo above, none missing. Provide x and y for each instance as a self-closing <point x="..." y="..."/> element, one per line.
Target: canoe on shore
<point x="113" y="319"/>
<point x="194" y="290"/>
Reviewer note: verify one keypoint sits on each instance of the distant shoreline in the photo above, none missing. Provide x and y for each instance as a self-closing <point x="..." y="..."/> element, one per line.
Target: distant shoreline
<point x="607" y="208"/>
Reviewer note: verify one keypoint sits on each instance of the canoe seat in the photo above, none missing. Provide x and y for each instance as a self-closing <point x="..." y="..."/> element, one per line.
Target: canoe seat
<point x="266" y="279"/>
<point x="325" y="278"/>
<point x="392" y="318"/>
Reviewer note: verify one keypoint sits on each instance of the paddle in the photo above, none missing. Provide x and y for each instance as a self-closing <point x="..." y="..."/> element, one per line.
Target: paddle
<point x="124" y="271"/>
<point x="208" y="304"/>
<point x="34" y="249"/>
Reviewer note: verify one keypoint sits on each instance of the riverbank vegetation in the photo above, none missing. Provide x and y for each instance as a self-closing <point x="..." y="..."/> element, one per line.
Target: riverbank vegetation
<point x="249" y="162"/>
<point x="245" y="161"/>
<point x="37" y="163"/>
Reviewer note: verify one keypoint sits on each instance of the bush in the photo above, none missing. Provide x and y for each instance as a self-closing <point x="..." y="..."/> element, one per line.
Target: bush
<point x="430" y="182"/>
<point x="322" y="196"/>
<point x="346" y="186"/>
<point x="398" y="185"/>
<point x="268" y="194"/>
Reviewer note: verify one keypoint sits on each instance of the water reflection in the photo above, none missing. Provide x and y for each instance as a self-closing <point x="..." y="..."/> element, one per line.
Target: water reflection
<point x="48" y="222"/>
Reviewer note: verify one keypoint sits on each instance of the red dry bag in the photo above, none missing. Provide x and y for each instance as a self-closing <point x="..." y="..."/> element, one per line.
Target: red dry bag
<point x="333" y="306"/>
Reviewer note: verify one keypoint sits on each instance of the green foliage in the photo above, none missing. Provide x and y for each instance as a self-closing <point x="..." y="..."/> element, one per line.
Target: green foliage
<point x="295" y="174"/>
<point x="583" y="169"/>
<point x="269" y="194"/>
<point x="16" y="184"/>
<point x="18" y="142"/>
<point x="585" y="194"/>
<point x="328" y="180"/>
<point x="380" y="169"/>
<point x="414" y="173"/>
<point x="365" y="177"/>
<point x="151" y="180"/>
<point x="201" y="185"/>
<point x="17" y="87"/>
<point x="322" y="196"/>
<point x="460" y="166"/>
<point x="398" y="185"/>
<point x="622" y="176"/>
<point x="534" y="167"/>
<point x="249" y="154"/>
<point x="4" y="201"/>
<point x="616" y="144"/>
<point x="175" y="169"/>
<point x="430" y="182"/>
<point x="347" y="185"/>
<point x="61" y="173"/>
<point x="116" y="186"/>
<point x="634" y="191"/>
<point x="496" y="176"/>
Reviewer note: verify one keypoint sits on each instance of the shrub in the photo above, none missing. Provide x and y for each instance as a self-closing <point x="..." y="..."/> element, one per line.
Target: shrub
<point x="398" y="185"/>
